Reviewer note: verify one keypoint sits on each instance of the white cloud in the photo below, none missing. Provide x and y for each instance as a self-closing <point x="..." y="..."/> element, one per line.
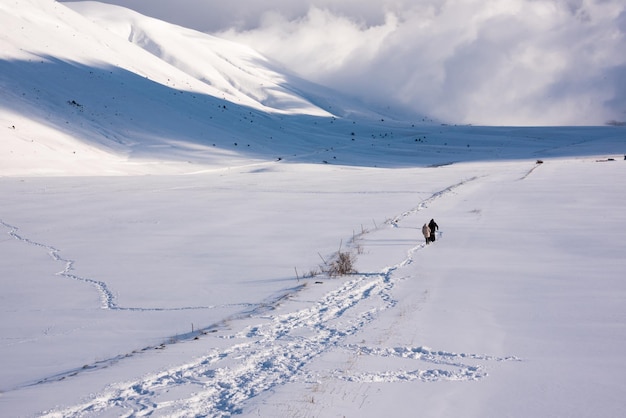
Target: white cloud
<point x="463" y="61"/>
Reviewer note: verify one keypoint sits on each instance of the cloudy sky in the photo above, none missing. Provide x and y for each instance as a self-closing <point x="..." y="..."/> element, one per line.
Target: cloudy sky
<point x="502" y="62"/>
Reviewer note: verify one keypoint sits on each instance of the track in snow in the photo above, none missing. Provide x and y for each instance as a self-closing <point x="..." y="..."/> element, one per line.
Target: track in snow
<point x="276" y="349"/>
<point x="106" y="295"/>
<point x="426" y="202"/>
<point x="274" y="353"/>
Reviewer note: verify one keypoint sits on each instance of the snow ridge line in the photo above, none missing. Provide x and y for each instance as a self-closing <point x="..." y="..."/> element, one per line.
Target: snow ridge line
<point x="106" y="296"/>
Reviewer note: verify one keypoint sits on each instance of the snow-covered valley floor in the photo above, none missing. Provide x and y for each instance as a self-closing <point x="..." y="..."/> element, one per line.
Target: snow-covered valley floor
<point x="186" y="295"/>
<point x="169" y="199"/>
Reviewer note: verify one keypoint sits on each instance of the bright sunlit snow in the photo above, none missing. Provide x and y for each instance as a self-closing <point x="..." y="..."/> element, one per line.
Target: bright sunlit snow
<point x="171" y="202"/>
<point x="513" y="62"/>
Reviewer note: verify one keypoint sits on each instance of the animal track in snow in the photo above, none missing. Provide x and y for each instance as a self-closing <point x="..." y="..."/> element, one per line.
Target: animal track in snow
<point x="106" y="295"/>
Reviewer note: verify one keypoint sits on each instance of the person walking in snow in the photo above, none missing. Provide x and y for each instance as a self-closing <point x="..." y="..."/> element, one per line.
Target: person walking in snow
<point x="433" y="227"/>
<point x="426" y="232"/>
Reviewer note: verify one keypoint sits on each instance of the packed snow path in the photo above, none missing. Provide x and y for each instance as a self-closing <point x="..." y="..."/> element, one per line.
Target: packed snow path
<point x="269" y="350"/>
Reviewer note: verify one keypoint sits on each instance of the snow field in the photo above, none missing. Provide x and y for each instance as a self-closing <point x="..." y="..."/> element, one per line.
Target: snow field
<point x="161" y="204"/>
<point x="414" y="314"/>
<point x="476" y="305"/>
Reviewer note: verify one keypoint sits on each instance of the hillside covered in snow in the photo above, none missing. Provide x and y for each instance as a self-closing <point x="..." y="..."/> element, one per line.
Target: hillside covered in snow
<point x="114" y="86"/>
<point x="172" y="203"/>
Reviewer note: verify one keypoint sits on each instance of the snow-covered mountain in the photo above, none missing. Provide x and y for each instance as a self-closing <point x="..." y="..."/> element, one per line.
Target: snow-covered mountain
<point x="88" y="88"/>
<point x="229" y="70"/>
<point x="211" y="294"/>
<point x="94" y="89"/>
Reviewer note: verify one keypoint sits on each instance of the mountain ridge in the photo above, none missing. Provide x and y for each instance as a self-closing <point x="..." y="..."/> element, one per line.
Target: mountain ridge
<point x="110" y="91"/>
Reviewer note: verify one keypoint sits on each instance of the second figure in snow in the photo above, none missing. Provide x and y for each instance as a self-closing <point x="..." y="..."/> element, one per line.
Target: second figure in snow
<point x="433" y="227"/>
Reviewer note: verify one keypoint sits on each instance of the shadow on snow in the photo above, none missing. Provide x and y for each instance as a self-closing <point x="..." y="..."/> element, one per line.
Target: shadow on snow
<point x="120" y="111"/>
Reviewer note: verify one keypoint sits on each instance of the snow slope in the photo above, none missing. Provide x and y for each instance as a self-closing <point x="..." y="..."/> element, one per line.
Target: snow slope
<point x="65" y="78"/>
<point x="126" y="294"/>
<point x="231" y="71"/>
